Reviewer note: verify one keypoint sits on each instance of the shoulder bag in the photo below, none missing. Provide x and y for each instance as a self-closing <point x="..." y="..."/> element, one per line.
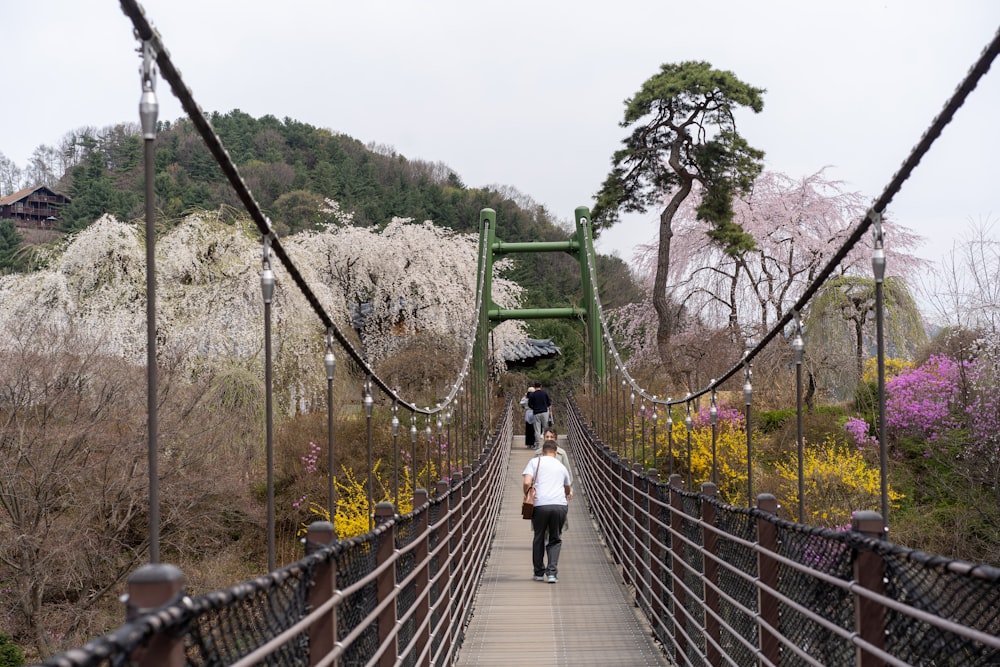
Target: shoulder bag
<point x="528" y="505"/>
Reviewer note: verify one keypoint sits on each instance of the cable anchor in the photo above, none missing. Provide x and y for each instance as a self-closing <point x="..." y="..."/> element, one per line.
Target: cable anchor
<point x="878" y="254"/>
<point x="149" y="107"/>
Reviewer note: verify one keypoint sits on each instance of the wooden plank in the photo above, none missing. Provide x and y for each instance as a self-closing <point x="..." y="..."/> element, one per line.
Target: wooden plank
<point x="588" y="618"/>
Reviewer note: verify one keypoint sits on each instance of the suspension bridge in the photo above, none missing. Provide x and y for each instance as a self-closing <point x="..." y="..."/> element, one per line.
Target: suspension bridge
<point x="656" y="570"/>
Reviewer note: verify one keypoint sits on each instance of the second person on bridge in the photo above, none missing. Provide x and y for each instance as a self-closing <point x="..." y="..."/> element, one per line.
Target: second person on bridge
<point x="541" y="408"/>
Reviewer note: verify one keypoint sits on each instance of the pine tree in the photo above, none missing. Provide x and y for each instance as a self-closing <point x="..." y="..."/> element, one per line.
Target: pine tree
<point x="10" y="244"/>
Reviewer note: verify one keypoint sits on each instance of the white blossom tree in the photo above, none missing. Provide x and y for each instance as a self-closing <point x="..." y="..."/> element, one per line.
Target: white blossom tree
<point x="965" y="290"/>
<point x="408" y="278"/>
<point x="413" y="277"/>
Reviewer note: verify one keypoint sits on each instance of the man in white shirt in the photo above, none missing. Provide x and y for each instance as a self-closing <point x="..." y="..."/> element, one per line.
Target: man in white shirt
<point x="553" y="491"/>
<point x="563" y="458"/>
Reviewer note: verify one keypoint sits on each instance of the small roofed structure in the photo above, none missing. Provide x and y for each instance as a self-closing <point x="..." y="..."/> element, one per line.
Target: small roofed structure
<point x="36" y="207"/>
<point x="529" y="350"/>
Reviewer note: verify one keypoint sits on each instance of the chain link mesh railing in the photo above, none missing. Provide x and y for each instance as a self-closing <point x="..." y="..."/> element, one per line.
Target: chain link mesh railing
<point x="741" y="586"/>
<point x="273" y="619"/>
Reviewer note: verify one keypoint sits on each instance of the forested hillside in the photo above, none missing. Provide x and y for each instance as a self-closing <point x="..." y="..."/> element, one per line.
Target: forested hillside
<point x="289" y="166"/>
<point x="292" y="167"/>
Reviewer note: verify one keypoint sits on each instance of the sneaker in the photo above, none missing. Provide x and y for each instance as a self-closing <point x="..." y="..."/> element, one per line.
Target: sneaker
<point x="552" y="579"/>
<point x="538" y="577"/>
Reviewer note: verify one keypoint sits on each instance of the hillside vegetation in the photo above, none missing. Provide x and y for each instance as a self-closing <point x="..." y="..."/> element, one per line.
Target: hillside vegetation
<point x="292" y="168"/>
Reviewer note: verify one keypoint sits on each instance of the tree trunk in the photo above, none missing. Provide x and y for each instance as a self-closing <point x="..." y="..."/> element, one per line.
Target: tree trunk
<point x="661" y="302"/>
<point x="859" y="333"/>
<point x="734" y="322"/>
<point x="810" y="397"/>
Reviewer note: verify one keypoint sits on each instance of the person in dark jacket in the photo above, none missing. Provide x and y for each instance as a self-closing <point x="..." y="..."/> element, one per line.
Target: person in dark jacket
<point x="541" y="408"/>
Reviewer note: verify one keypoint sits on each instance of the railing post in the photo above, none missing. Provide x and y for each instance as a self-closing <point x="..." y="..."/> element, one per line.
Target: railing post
<point x="767" y="573"/>
<point x="654" y="549"/>
<point x="385" y="585"/>
<point x="617" y="546"/>
<point x="624" y="492"/>
<point x="421" y="591"/>
<point x="457" y="549"/>
<point x="710" y="545"/>
<point x="677" y="561"/>
<point x="869" y="570"/>
<point x="444" y="564"/>
<point x="322" y="633"/>
<point x="635" y="484"/>
<point x="153" y="587"/>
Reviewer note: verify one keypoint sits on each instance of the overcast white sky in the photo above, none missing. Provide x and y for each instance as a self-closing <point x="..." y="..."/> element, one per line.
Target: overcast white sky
<point x="530" y="94"/>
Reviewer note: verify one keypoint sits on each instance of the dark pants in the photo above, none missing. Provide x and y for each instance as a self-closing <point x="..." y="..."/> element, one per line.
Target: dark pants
<point x="547" y="519"/>
<point x="529" y="435"/>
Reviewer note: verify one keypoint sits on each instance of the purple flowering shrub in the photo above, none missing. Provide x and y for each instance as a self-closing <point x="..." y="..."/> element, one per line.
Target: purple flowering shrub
<point x="857" y="430"/>
<point x="728" y="416"/>
<point x="925" y="402"/>
<point x="927" y="407"/>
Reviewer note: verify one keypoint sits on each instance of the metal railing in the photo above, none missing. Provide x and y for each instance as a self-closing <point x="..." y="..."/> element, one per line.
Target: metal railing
<point x="399" y="595"/>
<point x="739" y="586"/>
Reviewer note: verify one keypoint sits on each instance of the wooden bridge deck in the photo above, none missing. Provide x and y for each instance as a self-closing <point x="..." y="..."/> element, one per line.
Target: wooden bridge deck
<point x="588" y="618"/>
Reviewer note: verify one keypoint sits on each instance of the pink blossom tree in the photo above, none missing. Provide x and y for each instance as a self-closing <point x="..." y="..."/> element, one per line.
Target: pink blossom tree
<point x="796" y="227"/>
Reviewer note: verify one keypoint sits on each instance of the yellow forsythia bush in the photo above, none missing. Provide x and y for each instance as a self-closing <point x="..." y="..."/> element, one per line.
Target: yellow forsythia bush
<point x="893" y="367"/>
<point x="730" y="460"/>
<point x="730" y="457"/>
<point x="837" y="481"/>
<point x="352" y="500"/>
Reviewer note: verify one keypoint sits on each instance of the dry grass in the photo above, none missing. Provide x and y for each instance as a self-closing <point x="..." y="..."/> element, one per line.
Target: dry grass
<point x="33" y="236"/>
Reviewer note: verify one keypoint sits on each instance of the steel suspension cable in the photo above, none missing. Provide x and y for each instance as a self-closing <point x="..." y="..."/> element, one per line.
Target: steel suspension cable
<point x="151" y="37"/>
<point x="892" y="188"/>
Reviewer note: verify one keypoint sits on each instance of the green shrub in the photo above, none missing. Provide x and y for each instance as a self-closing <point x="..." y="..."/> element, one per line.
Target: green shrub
<point x="11" y="654"/>
<point x="770" y="421"/>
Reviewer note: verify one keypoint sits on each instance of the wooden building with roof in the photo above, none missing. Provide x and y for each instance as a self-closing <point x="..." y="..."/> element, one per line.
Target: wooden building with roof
<point x="524" y="353"/>
<point x="36" y="207"/>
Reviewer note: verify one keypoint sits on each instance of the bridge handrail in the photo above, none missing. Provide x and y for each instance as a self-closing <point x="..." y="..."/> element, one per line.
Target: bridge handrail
<point x="275" y="617"/>
<point x="718" y="582"/>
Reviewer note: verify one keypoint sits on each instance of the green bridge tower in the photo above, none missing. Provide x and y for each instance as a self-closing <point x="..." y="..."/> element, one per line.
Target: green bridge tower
<point x="581" y="247"/>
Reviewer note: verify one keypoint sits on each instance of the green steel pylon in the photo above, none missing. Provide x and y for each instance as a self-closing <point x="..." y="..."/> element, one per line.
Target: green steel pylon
<point x="581" y="247"/>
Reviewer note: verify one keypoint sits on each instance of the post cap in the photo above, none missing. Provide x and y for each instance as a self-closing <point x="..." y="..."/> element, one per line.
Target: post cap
<point x="868" y="523"/>
<point x="767" y="503"/>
